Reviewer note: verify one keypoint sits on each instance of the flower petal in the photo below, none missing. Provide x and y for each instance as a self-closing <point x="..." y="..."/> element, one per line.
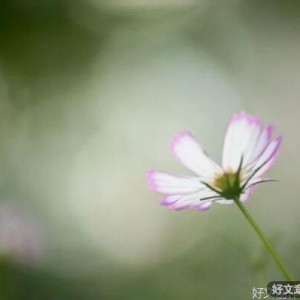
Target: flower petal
<point x="247" y="194"/>
<point x="170" y="200"/>
<point x="224" y="201"/>
<point x="268" y="157"/>
<point x="205" y="206"/>
<point x="164" y="183"/>
<point x="193" y="200"/>
<point x="262" y="143"/>
<point x="241" y="139"/>
<point x="190" y="153"/>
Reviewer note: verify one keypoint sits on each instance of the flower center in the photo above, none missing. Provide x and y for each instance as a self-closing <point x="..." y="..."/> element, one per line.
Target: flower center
<point x="229" y="185"/>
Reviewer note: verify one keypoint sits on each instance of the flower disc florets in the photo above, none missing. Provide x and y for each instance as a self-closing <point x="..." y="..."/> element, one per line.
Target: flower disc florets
<point x="229" y="185"/>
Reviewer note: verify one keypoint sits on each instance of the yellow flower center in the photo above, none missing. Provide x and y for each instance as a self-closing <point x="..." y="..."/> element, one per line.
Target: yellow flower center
<point x="229" y="184"/>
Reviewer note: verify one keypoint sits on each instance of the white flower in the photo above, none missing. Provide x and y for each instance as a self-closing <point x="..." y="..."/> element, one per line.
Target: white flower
<point x="248" y="153"/>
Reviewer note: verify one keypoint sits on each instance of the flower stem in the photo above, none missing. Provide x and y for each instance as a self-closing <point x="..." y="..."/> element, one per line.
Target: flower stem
<point x="264" y="239"/>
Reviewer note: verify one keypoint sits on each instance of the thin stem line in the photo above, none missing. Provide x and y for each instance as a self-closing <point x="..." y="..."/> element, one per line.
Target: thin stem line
<point x="264" y="239"/>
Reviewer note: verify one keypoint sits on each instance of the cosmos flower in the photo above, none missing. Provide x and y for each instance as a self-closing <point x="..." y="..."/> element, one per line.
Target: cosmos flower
<point x="248" y="153"/>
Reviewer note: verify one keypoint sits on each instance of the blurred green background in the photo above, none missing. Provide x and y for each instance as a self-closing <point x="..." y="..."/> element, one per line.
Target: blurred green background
<point x="91" y="93"/>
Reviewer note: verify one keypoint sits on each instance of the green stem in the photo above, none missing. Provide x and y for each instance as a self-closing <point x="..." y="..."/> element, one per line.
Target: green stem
<point x="264" y="239"/>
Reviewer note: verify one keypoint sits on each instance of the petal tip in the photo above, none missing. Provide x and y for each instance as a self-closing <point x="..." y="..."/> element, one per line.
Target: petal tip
<point x="270" y="130"/>
<point x="204" y="207"/>
<point x="179" y="136"/>
<point x="164" y="202"/>
<point x="246" y="117"/>
<point x="150" y="180"/>
<point x="149" y="174"/>
<point x="176" y="208"/>
<point x="279" y="139"/>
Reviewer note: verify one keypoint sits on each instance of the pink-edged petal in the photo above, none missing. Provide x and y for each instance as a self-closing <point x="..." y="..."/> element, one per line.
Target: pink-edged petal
<point x="189" y="152"/>
<point x="164" y="183"/>
<point x="268" y="157"/>
<point x="241" y="138"/>
<point x="193" y="200"/>
<point x="169" y="200"/>
<point x="245" y="197"/>
<point x="268" y="165"/>
<point x="205" y="206"/>
<point x="262" y="143"/>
